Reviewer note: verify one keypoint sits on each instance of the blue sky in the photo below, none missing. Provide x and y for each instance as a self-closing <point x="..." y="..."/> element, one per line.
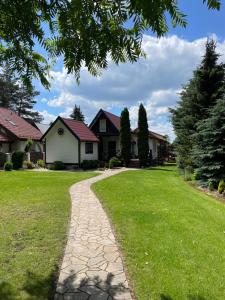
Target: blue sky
<point x="155" y="81"/>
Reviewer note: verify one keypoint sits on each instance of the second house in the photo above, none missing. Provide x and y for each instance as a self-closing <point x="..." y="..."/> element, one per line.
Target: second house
<point x="69" y="141"/>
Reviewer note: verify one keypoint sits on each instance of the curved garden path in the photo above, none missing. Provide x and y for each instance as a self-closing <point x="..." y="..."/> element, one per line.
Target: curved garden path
<point x="92" y="267"/>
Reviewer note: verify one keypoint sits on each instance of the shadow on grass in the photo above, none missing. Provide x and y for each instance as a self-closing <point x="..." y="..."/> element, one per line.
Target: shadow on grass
<point x="40" y="288"/>
<point x="36" y="287"/>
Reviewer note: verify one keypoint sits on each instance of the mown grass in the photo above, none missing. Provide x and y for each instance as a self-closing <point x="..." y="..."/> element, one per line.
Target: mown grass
<point x="34" y="217"/>
<point x="172" y="235"/>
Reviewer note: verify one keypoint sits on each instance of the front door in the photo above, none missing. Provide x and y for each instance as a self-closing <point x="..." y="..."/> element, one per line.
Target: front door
<point x="111" y="149"/>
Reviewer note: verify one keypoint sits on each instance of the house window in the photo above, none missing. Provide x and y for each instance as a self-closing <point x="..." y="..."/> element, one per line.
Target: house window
<point x="88" y="148"/>
<point x="102" y="125"/>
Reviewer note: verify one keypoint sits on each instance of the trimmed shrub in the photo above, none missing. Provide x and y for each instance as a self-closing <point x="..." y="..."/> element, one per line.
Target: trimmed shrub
<point x="8" y="166"/>
<point x="106" y="165"/>
<point x="58" y="165"/>
<point x="114" y="162"/>
<point x="90" y="164"/>
<point x="41" y="163"/>
<point x="17" y="159"/>
<point x="221" y="186"/>
<point x="28" y="165"/>
<point x="211" y="186"/>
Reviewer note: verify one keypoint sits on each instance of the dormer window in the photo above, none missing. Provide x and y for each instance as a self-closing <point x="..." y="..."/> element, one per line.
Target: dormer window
<point x="102" y="125"/>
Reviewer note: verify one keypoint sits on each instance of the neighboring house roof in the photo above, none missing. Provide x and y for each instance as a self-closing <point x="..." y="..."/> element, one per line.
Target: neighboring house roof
<point x="158" y="136"/>
<point x="153" y="135"/>
<point x="115" y="120"/>
<point x="17" y="126"/>
<point x="41" y="127"/>
<point x="77" y="128"/>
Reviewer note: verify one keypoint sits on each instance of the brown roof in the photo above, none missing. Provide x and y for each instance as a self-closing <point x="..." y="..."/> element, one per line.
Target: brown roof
<point x="80" y="130"/>
<point x="153" y="135"/>
<point x="4" y="138"/>
<point x="113" y="118"/>
<point x="17" y="125"/>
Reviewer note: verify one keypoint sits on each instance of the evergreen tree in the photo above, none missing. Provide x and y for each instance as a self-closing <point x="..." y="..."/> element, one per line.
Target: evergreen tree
<point x="143" y="136"/>
<point x="77" y="114"/>
<point x="197" y="98"/>
<point x="125" y="136"/>
<point x="18" y="97"/>
<point x="8" y="89"/>
<point x="25" y="104"/>
<point x="209" y="151"/>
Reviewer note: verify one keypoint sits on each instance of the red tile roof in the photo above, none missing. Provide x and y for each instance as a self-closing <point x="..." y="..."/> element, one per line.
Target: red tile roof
<point x="113" y="118"/>
<point x="155" y="135"/>
<point x="18" y="126"/>
<point x="152" y="135"/>
<point x="4" y="138"/>
<point x="80" y="130"/>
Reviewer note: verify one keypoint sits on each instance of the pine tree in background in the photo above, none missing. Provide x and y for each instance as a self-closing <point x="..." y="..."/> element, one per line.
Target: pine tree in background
<point x="209" y="152"/>
<point x="143" y="135"/>
<point x="77" y="114"/>
<point x="197" y="98"/>
<point x="17" y="97"/>
<point x="125" y="136"/>
<point x="25" y="104"/>
<point x="8" y="89"/>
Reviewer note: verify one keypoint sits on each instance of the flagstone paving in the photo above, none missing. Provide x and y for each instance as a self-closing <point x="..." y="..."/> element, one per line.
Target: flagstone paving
<point x="92" y="267"/>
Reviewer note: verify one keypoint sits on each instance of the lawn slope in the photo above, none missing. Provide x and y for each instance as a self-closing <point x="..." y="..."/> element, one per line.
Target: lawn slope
<point x="172" y="235"/>
<point x="34" y="217"/>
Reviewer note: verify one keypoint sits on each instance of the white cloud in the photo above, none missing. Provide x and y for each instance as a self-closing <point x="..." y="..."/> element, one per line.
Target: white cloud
<point x="156" y="81"/>
<point x="47" y="117"/>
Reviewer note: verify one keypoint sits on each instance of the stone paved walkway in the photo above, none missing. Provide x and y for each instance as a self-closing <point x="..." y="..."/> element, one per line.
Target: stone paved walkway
<point x="92" y="267"/>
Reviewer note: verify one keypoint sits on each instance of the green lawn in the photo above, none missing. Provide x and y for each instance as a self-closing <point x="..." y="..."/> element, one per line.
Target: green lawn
<point x="172" y="235"/>
<point x="34" y="217"/>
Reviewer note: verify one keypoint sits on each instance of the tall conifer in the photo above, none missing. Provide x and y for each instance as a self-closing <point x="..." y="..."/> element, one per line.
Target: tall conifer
<point x="143" y="136"/>
<point x="125" y="136"/>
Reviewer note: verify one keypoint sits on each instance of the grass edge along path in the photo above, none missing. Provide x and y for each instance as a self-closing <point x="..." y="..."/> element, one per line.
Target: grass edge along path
<point x="172" y="235"/>
<point x="34" y="218"/>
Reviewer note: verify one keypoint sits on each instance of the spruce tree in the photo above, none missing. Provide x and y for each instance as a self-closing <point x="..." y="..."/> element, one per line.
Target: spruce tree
<point x="143" y="136"/>
<point x="209" y="151"/>
<point x="197" y="98"/>
<point x="125" y="136"/>
<point x="77" y="114"/>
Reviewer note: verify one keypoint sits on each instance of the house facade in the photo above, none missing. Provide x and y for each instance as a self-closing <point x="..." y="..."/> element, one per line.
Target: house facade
<point x="14" y="133"/>
<point x="106" y="126"/>
<point x="69" y="141"/>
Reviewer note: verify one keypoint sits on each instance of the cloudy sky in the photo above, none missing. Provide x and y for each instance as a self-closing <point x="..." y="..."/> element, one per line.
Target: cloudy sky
<point x="156" y="80"/>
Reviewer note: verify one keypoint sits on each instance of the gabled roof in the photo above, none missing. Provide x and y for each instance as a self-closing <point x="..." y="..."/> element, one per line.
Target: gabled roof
<point x="17" y="126"/>
<point x="77" y="128"/>
<point x="115" y="120"/>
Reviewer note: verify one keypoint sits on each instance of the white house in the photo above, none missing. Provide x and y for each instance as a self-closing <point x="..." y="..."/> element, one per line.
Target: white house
<point x="69" y="141"/>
